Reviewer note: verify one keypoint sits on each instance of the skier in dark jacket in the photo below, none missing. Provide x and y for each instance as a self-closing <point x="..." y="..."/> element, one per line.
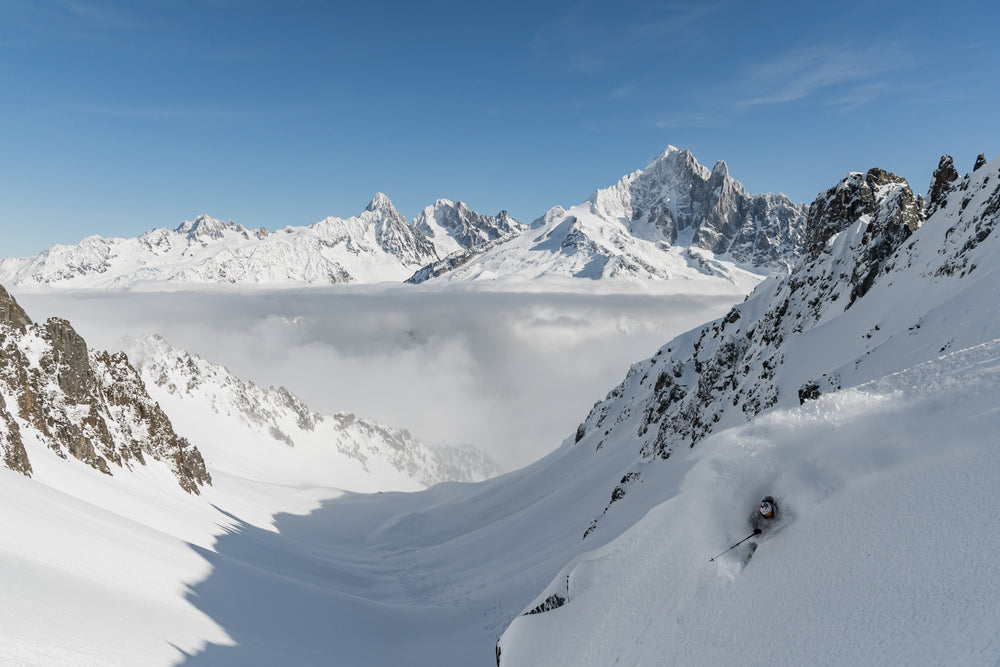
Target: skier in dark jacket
<point x="765" y="517"/>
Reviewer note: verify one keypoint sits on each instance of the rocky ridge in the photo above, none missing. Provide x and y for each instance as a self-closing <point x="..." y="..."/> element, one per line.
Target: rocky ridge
<point x="78" y="402"/>
<point x="460" y="235"/>
<point x="180" y="379"/>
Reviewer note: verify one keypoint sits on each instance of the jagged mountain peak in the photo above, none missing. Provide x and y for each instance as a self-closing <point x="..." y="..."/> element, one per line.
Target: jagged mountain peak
<point x="381" y="203"/>
<point x="453" y="227"/>
<point x="205" y="226"/>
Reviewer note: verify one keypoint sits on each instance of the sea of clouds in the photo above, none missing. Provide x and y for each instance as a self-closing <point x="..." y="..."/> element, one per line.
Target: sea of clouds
<point x="511" y="372"/>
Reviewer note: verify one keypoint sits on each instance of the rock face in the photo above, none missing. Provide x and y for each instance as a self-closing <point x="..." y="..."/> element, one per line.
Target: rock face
<point x="941" y="183"/>
<point x="888" y="206"/>
<point x="77" y="402"/>
<point x="675" y="195"/>
<point x="459" y="235"/>
<point x="453" y="227"/>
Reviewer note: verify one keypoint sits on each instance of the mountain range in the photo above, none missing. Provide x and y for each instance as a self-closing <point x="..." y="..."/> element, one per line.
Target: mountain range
<point x="674" y="219"/>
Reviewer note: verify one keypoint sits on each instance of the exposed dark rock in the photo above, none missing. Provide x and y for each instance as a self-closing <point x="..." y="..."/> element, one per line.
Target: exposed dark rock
<point x="11" y="446"/>
<point x="10" y="312"/>
<point x="554" y="601"/>
<point x="89" y="405"/>
<point x="980" y="162"/>
<point x="442" y="266"/>
<point x="68" y="360"/>
<point x="809" y="391"/>
<point x="941" y="184"/>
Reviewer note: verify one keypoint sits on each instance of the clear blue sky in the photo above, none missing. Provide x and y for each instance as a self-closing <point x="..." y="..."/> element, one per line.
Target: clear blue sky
<point x="118" y="117"/>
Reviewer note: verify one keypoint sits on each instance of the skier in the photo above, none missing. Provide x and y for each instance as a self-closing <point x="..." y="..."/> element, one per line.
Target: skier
<point x="765" y="516"/>
<point x="762" y="520"/>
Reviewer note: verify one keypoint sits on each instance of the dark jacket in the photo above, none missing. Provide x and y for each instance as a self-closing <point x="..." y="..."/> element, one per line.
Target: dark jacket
<point x="762" y="523"/>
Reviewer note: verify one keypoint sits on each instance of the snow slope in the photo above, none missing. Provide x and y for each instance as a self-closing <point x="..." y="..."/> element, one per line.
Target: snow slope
<point x="862" y="472"/>
<point x="887" y="554"/>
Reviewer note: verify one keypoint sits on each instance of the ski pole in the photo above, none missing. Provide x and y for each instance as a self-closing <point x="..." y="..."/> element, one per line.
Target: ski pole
<point x="755" y="532"/>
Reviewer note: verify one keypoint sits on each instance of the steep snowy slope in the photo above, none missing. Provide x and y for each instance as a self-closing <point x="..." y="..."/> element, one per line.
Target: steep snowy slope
<point x="271" y="436"/>
<point x="896" y="332"/>
<point x="886" y="555"/>
<point x="378" y="245"/>
<point x="674" y="219"/>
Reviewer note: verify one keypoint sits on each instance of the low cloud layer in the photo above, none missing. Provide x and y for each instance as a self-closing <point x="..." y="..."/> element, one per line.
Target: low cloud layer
<point x="511" y="373"/>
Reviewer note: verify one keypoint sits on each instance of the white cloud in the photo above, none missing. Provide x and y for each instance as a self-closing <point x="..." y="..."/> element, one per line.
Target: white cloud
<point x="512" y="373"/>
<point x="804" y="73"/>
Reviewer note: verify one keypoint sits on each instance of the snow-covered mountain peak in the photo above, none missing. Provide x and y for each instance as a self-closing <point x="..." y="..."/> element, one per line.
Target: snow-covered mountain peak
<point x="207" y="227"/>
<point x="381" y="204"/>
<point x="720" y="170"/>
<point x="453" y="227"/>
<point x="656" y="223"/>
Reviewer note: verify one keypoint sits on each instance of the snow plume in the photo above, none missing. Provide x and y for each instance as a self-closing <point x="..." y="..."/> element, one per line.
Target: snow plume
<point x="511" y="373"/>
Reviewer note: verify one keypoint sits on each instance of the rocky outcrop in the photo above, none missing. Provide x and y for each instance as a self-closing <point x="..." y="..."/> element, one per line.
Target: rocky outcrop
<point x="888" y="206"/>
<point x="942" y="182"/>
<point x="11" y="313"/>
<point x="87" y="404"/>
